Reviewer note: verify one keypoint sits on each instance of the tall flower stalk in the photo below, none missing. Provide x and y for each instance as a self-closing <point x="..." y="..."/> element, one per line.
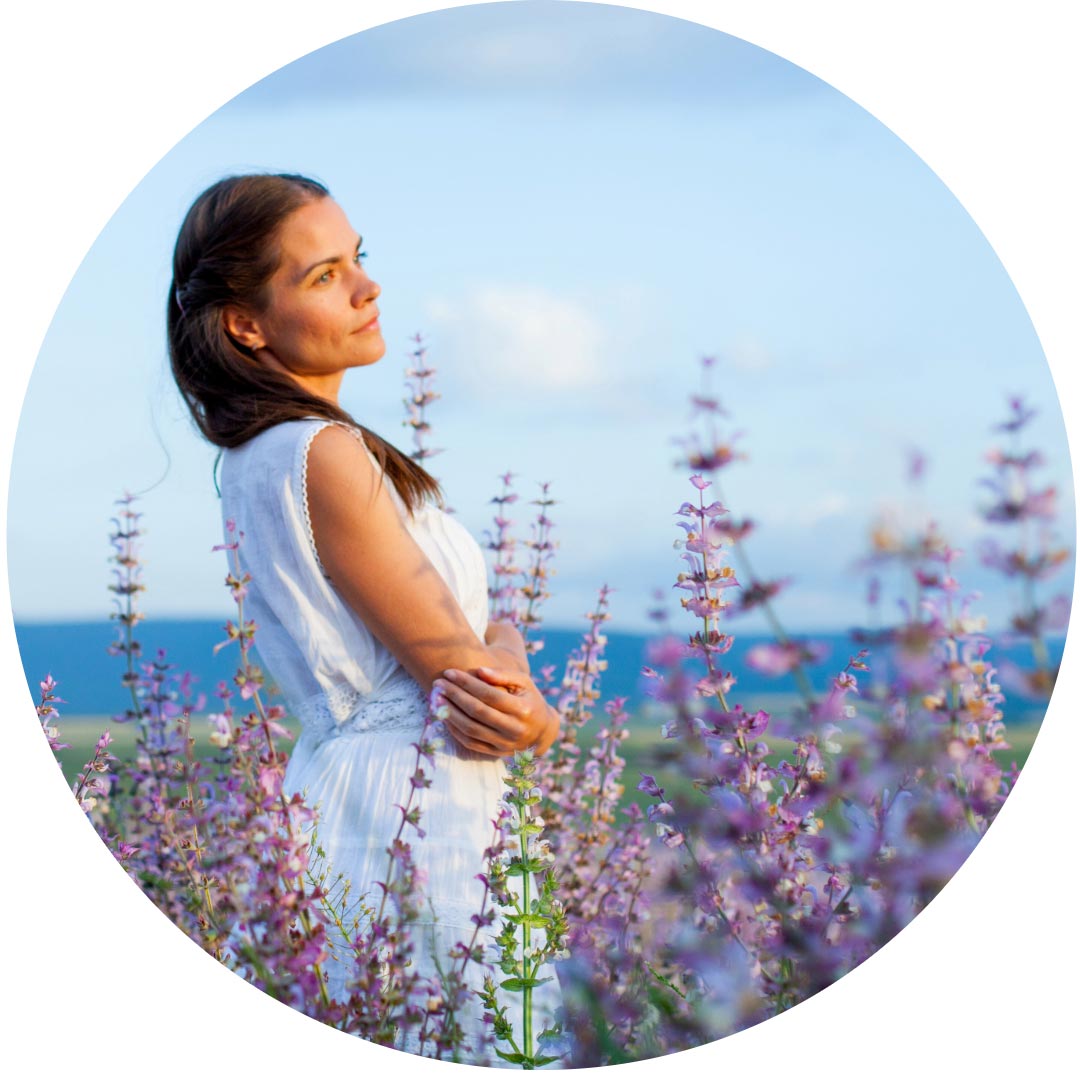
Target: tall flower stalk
<point x="708" y="452"/>
<point x="574" y="701"/>
<point x="1029" y="512"/>
<point x="418" y="377"/>
<point x="283" y="880"/>
<point x="522" y="957"/>
<point x="126" y="588"/>
<point x="534" y="590"/>
<point x="504" y="588"/>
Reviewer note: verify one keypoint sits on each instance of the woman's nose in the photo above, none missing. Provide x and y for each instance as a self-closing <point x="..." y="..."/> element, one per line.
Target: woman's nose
<point x="366" y="289"/>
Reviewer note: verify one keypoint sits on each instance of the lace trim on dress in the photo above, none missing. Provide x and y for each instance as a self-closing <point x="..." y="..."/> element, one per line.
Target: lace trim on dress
<point x="342" y="709"/>
<point x="305" y="447"/>
<point x="302" y="474"/>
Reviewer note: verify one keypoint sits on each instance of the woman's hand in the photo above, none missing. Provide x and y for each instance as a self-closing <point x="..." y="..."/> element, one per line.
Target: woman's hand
<point x="496" y="712"/>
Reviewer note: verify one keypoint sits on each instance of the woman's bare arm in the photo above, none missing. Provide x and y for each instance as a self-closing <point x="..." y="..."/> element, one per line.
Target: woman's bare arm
<point x="385" y="577"/>
<point x="377" y="566"/>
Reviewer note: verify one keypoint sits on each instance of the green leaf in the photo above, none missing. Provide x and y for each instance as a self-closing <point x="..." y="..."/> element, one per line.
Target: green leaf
<point x="532" y="921"/>
<point x="516" y="1059"/>
<point x="539" y="1062"/>
<point x="667" y="982"/>
<point x="519" y="867"/>
<point x="516" y="985"/>
<point x="532" y="866"/>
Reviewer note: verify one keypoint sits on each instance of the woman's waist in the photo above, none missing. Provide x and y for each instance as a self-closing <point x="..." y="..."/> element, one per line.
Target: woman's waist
<point x="399" y="705"/>
<point x="399" y="708"/>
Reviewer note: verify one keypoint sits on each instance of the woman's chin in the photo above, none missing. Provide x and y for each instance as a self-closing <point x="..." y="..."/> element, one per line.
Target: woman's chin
<point x="367" y="357"/>
<point x="378" y="353"/>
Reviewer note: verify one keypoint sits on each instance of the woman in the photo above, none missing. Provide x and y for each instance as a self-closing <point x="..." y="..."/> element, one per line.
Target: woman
<point x="365" y="594"/>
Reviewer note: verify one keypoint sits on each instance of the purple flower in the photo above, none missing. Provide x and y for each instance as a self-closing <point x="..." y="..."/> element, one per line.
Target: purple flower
<point x="649" y="786"/>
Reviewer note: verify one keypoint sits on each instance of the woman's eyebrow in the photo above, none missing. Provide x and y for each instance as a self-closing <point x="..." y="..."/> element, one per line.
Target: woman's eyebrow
<point x="332" y="261"/>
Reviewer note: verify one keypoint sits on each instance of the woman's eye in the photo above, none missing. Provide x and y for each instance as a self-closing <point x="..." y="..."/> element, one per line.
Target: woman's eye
<point x="324" y="278"/>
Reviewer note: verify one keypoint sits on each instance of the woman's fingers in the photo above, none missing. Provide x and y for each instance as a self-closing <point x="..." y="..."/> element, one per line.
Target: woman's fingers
<point x="505" y="707"/>
<point x="474" y="708"/>
<point x="488" y="685"/>
<point x="500" y="718"/>
<point x="472" y="735"/>
<point x="512" y="679"/>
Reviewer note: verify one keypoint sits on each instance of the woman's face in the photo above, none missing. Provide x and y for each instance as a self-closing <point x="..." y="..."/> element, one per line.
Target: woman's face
<point x="320" y="318"/>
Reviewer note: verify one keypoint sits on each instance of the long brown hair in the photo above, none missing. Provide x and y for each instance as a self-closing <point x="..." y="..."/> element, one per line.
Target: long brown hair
<point x="225" y="253"/>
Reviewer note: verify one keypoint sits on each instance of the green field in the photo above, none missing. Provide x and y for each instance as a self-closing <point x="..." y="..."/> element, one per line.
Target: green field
<point x="639" y="750"/>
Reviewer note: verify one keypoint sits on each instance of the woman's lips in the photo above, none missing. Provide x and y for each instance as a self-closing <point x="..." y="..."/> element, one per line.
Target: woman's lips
<point x="373" y="325"/>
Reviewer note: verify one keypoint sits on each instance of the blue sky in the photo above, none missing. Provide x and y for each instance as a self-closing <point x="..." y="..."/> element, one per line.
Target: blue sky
<point x="573" y="203"/>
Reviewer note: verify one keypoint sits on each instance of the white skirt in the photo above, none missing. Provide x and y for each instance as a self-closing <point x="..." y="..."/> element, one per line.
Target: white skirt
<point x="354" y="779"/>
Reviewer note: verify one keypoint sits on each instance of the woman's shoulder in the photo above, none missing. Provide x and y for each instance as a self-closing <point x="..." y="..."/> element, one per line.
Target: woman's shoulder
<point x="289" y="453"/>
<point x="268" y="459"/>
<point x="339" y="461"/>
<point x="280" y="441"/>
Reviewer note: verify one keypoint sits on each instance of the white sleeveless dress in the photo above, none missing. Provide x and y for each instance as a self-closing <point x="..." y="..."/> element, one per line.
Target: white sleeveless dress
<point x="359" y="710"/>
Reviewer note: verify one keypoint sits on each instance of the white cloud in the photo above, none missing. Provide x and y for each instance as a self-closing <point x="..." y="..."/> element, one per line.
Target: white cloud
<point x="748" y="354"/>
<point x="522" y="338"/>
<point x="510" y="52"/>
<point x="822" y="508"/>
<point x="830" y="505"/>
<point x="538" y="39"/>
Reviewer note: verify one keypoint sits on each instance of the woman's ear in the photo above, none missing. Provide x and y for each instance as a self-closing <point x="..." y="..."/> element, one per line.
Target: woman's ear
<point x="243" y="328"/>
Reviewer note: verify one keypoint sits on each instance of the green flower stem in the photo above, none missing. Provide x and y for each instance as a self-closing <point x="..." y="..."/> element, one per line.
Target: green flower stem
<point x="526" y="933"/>
<point x="544" y="912"/>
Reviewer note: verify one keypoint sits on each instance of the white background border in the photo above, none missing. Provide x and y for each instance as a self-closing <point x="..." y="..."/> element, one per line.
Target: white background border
<point x="97" y="979"/>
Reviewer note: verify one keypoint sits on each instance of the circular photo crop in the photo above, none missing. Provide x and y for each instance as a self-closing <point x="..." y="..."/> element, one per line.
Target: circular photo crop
<point x="576" y="535"/>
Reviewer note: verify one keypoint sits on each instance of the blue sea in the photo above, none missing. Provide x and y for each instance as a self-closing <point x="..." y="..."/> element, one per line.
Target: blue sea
<point x="88" y="678"/>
